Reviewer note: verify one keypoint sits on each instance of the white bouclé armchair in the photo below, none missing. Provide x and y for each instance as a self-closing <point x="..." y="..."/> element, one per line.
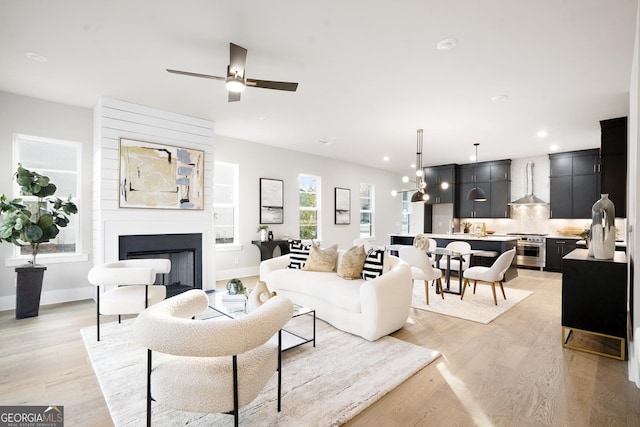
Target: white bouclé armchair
<point x="130" y="286"/>
<point x="213" y="365"/>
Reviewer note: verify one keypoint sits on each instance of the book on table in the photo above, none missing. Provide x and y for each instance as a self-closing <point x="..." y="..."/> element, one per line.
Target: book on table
<point x="239" y="298"/>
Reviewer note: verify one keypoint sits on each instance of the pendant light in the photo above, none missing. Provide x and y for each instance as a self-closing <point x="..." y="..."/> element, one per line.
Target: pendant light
<point x="476" y="194"/>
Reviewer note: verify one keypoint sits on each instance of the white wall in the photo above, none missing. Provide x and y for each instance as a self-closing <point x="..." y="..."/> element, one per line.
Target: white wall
<point x="260" y="161"/>
<point x="31" y="116"/>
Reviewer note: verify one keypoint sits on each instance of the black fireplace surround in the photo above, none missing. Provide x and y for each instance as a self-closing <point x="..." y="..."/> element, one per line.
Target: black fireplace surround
<point x="184" y="251"/>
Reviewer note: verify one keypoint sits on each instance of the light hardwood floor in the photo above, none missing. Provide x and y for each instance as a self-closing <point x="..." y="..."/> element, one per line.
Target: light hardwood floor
<point x="511" y="372"/>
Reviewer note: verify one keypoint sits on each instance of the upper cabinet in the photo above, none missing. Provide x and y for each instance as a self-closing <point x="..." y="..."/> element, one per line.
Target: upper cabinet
<point x="494" y="178"/>
<point x="613" y="158"/>
<point x="574" y="183"/>
<point x="440" y="183"/>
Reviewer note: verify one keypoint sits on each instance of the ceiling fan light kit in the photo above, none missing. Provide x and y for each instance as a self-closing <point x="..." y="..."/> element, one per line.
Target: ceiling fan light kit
<point x="235" y="84"/>
<point x="236" y="80"/>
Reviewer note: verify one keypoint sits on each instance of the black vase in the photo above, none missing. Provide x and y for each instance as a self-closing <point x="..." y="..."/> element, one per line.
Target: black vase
<point x="28" y="291"/>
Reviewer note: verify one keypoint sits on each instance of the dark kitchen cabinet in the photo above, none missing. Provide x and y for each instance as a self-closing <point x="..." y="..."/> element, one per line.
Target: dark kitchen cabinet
<point x="440" y="183"/>
<point x="555" y="250"/>
<point x="500" y="198"/>
<point x="500" y="171"/>
<point x="613" y="158"/>
<point x="594" y="302"/>
<point x="472" y="209"/>
<point x="474" y="173"/>
<point x="560" y="200"/>
<point x="494" y="178"/>
<point x="574" y="183"/>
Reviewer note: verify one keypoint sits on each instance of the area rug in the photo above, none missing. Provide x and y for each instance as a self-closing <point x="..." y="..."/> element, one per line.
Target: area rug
<point x="322" y="386"/>
<point x="478" y="307"/>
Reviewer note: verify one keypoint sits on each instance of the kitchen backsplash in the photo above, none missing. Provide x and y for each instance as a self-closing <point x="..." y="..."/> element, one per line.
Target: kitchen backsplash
<point x="535" y="219"/>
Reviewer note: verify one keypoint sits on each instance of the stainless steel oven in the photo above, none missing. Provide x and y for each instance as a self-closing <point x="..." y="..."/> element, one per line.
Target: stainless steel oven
<point x="530" y="250"/>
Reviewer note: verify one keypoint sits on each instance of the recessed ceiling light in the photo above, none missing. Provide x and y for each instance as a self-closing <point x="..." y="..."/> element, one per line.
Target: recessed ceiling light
<point x="412" y="165"/>
<point x="385" y="158"/>
<point x="554" y="147"/>
<point x="499" y="98"/>
<point x="542" y="133"/>
<point x="263" y="118"/>
<point x="35" y="57"/>
<point x="447" y="44"/>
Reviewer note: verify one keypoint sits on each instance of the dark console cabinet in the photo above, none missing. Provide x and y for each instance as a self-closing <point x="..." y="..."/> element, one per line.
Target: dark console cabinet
<point x="594" y="299"/>
<point x="267" y="247"/>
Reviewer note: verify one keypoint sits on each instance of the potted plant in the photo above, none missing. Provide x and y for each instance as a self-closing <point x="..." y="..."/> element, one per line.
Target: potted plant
<point x="586" y="235"/>
<point x="262" y="229"/>
<point x="23" y="226"/>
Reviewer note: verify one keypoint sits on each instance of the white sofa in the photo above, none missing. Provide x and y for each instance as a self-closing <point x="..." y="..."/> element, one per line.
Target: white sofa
<point x="368" y="308"/>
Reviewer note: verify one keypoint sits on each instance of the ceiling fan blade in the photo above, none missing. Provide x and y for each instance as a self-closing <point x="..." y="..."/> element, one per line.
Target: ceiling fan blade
<point x="268" y="84"/>
<point x="237" y="59"/>
<point x="188" y="73"/>
<point x="234" y="96"/>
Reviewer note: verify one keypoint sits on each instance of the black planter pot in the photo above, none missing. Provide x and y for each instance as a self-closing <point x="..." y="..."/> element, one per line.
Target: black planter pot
<point x="28" y="291"/>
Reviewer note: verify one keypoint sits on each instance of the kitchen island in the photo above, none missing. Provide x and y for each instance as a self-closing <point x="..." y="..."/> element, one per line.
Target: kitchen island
<point x="491" y="245"/>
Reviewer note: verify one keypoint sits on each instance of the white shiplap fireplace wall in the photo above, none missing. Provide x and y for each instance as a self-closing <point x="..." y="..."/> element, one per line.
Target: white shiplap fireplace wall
<point x="114" y="119"/>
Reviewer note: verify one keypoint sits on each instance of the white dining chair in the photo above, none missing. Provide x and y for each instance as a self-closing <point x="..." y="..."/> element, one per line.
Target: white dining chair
<point x="421" y="268"/>
<point x="455" y="265"/>
<point x="492" y="275"/>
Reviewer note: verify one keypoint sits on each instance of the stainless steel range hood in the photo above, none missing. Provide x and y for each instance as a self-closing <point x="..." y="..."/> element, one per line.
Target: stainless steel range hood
<point x="529" y="198"/>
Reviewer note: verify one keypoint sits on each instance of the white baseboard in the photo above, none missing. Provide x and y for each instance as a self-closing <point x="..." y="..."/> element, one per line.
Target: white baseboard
<point x="52" y="297"/>
<point x="239" y="272"/>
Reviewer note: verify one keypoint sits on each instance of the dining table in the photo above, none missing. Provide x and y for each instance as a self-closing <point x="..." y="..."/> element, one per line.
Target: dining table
<point x="451" y="254"/>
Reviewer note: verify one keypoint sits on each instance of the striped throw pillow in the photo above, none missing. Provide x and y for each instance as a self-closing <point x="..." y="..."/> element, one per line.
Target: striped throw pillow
<point x="373" y="264"/>
<point x="298" y="254"/>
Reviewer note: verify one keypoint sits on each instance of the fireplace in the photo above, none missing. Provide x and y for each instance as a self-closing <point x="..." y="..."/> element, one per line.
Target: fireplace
<point x="183" y="250"/>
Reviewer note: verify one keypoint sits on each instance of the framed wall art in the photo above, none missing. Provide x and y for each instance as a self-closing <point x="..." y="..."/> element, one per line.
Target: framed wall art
<point x="271" y="201"/>
<point x="343" y="205"/>
<point x="160" y="176"/>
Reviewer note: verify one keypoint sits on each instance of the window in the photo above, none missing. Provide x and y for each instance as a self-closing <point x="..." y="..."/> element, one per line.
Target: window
<point x="309" y="206"/>
<point x="61" y="162"/>
<point x="406" y="209"/>
<point x="366" y="210"/>
<point x="225" y="203"/>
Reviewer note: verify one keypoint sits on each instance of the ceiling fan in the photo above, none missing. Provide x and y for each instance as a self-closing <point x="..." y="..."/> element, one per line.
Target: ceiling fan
<point x="236" y="79"/>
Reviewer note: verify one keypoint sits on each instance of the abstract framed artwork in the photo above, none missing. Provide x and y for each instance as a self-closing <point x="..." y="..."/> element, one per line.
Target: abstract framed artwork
<point x="160" y="176"/>
<point x="271" y="201"/>
<point x="343" y="205"/>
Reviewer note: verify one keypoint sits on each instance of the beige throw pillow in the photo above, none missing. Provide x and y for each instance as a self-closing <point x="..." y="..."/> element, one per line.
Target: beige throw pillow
<point x="321" y="259"/>
<point x="352" y="262"/>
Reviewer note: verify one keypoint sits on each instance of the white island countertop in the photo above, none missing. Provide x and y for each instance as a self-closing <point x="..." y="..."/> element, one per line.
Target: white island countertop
<point x="465" y="236"/>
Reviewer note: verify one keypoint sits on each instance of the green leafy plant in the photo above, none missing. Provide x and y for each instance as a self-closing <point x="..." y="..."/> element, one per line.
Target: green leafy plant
<point x="585" y="233"/>
<point x="235" y="286"/>
<point x="21" y="226"/>
<point x="262" y="227"/>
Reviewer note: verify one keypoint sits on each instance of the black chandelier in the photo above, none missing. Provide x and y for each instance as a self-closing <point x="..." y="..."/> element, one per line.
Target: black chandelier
<point x="419" y="196"/>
